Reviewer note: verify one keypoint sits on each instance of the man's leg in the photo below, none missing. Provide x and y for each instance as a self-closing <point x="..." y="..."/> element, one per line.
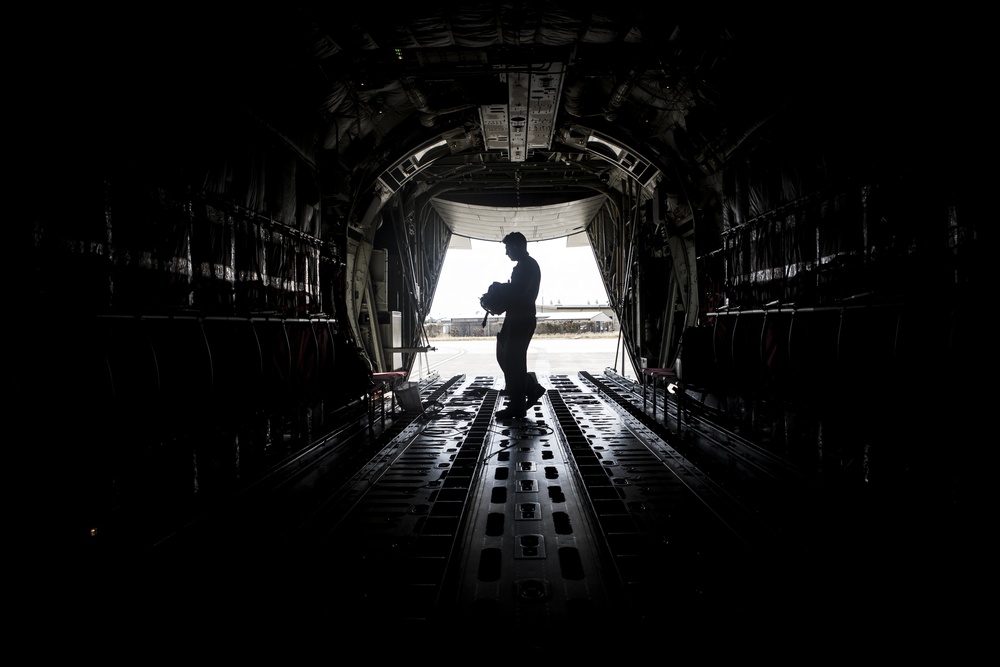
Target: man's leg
<point x="502" y="352"/>
<point x="516" y="377"/>
<point x="514" y="353"/>
<point x="532" y="390"/>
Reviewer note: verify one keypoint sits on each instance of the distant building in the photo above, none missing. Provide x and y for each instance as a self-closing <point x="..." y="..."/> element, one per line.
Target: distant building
<point x="471" y="326"/>
<point x="551" y="320"/>
<point x="574" y="321"/>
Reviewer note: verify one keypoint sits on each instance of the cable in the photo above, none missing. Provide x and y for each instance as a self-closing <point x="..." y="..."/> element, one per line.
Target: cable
<point x="539" y="430"/>
<point x="513" y="437"/>
<point x="483" y="460"/>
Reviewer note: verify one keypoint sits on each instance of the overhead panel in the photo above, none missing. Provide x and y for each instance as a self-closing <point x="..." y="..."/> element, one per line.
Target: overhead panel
<point x="537" y="223"/>
<point x="527" y="121"/>
<point x="496" y="130"/>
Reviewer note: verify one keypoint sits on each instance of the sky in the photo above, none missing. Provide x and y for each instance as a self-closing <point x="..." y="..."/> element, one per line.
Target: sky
<point x="569" y="276"/>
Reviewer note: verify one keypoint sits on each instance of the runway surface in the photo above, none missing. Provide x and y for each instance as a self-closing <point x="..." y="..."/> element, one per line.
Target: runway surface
<point x="546" y="356"/>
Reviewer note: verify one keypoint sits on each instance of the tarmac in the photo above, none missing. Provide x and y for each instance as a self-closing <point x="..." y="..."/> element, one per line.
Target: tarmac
<point x="547" y="355"/>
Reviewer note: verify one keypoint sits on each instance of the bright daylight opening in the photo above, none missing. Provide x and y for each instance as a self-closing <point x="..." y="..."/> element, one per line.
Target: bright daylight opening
<point x="577" y="329"/>
<point x="569" y="277"/>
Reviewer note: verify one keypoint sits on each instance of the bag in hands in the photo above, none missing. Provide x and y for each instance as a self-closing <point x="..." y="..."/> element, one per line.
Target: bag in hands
<point x="495" y="300"/>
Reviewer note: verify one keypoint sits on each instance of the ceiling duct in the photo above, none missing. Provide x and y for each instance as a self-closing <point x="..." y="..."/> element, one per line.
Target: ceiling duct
<point x="619" y="96"/>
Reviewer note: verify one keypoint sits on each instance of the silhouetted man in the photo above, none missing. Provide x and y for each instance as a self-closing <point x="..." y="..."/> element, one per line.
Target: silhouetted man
<point x="518" y="328"/>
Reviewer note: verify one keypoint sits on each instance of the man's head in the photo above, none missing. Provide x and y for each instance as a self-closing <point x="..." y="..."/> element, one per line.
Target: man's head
<point x="517" y="245"/>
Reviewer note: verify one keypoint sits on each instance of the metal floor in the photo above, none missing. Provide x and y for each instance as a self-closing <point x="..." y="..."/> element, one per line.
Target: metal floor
<point x="578" y="513"/>
<point x="581" y="531"/>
